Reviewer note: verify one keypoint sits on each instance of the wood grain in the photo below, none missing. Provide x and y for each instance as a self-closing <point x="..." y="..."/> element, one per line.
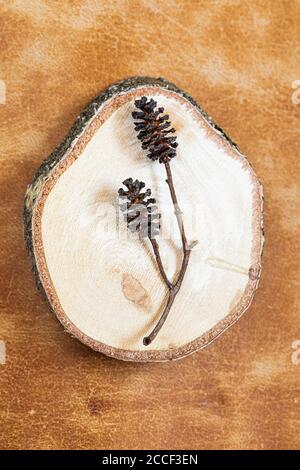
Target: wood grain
<point x="239" y="60"/>
<point x="81" y="249"/>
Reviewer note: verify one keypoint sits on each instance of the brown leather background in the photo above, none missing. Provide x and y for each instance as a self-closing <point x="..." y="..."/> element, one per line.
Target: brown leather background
<point x="239" y="60"/>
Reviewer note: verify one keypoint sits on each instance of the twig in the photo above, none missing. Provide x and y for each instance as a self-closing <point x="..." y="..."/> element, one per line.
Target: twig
<point x="177" y="210"/>
<point x="159" y="263"/>
<point x="173" y="288"/>
<point x="155" y="133"/>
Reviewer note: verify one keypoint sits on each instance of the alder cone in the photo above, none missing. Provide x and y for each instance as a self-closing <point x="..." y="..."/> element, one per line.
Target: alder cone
<point x="104" y="287"/>
<point x="140" y="212"/>
<point x="154" y="130"/>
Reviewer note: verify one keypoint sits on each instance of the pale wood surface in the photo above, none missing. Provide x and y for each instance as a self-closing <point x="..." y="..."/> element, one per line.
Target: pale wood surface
<point x="238" y="59"/>
<point x="104" y="281"/>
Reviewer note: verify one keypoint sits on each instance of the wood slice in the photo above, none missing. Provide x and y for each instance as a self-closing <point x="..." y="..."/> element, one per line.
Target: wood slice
<point x="101" y="282"/>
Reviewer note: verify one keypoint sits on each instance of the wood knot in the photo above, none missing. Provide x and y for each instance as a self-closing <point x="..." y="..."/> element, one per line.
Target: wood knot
<point x="134" y="291"/>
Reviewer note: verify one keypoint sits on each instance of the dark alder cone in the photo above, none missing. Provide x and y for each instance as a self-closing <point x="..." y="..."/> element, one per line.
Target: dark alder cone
<point x="139" y="210"/>
<point x="154" y="130"/>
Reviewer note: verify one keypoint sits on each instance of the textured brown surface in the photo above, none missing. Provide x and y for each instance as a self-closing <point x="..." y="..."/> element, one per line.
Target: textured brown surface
<point x="238" y="59"/>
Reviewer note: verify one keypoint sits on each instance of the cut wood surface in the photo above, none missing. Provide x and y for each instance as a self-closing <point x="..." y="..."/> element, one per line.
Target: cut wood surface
<point x="101" y="281"/>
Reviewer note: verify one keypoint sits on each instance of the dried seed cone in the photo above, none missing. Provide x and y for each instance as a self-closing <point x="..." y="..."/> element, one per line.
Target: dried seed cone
<point x="154" y="130"/>
<point x="139" y="209"/>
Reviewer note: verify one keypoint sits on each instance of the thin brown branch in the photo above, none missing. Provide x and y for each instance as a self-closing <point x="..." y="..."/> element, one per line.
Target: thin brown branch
<point x="156" y="134"/>
<point x="177" y="209"/>
<point x="173" y="288"/>
<point x="148" y="339"/>
<point x="159" y="263"/>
